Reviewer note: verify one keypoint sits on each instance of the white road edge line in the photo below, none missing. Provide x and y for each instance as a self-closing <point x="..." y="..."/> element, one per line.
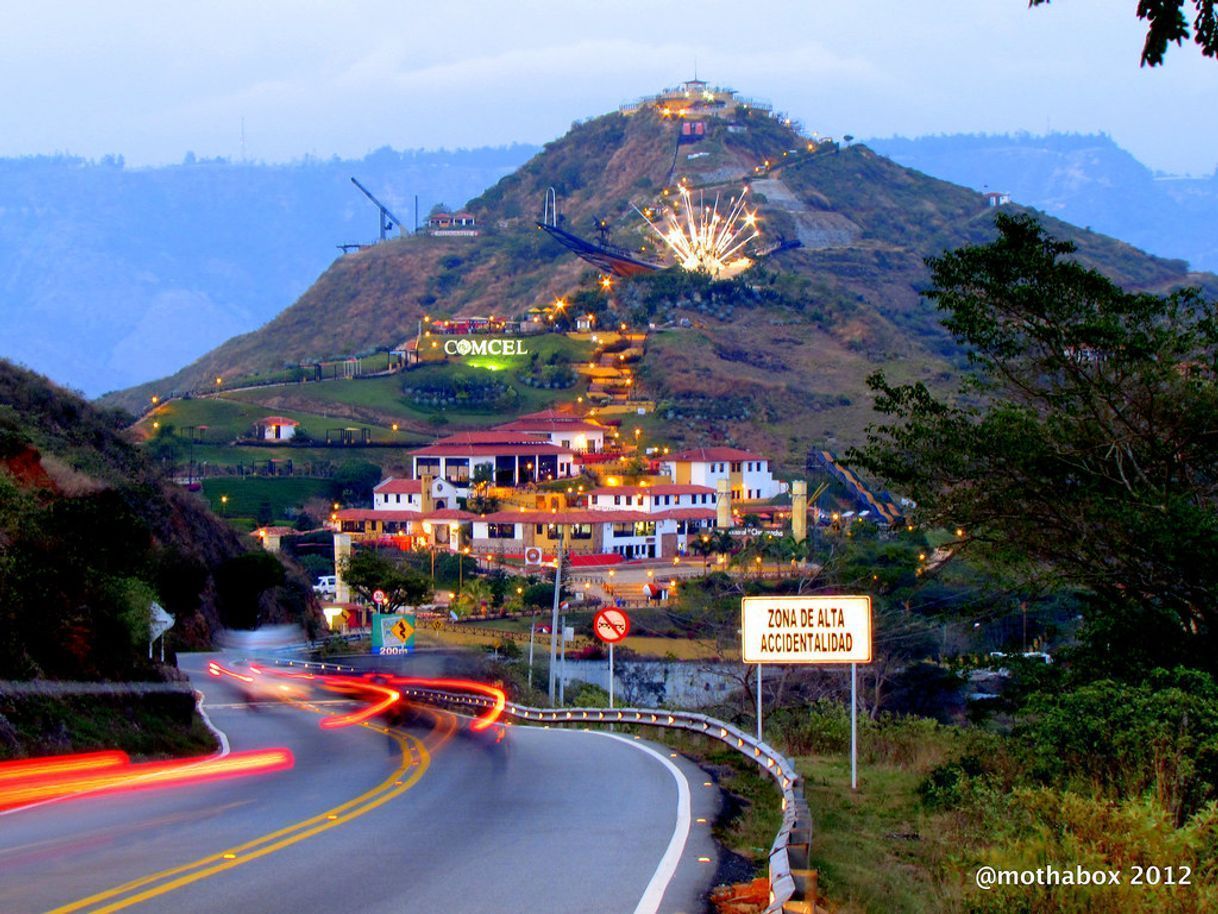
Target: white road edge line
<point x="654" y="894"/>
<point x="219" y="734"/>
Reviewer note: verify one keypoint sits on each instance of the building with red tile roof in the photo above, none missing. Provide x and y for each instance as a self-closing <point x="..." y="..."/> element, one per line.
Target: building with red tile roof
<point x="748" y="474"/>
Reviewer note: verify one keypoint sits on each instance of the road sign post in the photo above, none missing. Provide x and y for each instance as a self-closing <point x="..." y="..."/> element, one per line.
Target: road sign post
<point x="835" y="629"/>
<point x="611" y="626"/>
<point x="159" y="622"/>
<point x="393" y="633"/>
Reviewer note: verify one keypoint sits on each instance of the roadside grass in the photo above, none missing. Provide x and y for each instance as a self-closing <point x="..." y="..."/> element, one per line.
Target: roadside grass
<point x="156" y="725"/>
<point x="642" y="646"/>
<point x="875" y="850"/>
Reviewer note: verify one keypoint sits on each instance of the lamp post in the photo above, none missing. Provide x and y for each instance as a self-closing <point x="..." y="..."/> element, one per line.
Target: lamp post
<point x="461" y="554"/>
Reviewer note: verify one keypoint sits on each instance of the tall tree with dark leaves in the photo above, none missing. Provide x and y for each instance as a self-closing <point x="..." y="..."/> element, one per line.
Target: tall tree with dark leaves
<point x="1083" y="449"/>
<point x="1167" y="22"/>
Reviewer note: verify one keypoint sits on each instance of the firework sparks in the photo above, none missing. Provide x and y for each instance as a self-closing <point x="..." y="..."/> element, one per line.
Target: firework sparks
<point x="702" y="238"/>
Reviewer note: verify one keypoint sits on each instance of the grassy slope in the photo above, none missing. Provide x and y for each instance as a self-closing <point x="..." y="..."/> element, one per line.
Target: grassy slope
<point x="375" y="404"/>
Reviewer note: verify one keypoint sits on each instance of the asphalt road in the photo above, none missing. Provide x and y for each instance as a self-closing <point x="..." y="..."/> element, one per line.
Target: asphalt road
<point x="428" y="817"/>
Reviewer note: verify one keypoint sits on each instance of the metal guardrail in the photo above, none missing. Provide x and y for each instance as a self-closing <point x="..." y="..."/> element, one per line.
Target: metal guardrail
<point x="791" y="881"/>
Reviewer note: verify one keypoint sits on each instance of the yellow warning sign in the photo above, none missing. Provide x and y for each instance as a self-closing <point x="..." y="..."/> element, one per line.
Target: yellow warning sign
<point x="402" y="630"/>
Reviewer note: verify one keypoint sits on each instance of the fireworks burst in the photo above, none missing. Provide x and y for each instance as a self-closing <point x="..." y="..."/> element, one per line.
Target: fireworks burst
<point x="704" y="239"/>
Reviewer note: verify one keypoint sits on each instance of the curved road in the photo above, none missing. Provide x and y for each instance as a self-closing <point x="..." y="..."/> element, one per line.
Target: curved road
<point x="426" y="817"/>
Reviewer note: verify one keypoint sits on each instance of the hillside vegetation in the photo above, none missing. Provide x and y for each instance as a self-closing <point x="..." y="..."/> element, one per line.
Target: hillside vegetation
<point x="90" y="536"/>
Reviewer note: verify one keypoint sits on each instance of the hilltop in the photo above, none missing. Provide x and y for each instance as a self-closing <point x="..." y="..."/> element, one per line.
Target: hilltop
<point x="90" y="534"/>
<point x="776" y="360"/>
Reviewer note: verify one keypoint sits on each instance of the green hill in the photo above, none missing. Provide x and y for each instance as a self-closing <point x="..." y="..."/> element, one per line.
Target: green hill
<point x="775" y="360"/>
<point x="90" y="534"/>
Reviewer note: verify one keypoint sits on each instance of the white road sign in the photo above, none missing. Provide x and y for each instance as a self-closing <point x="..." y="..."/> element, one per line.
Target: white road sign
<point x="806" y="629"/>
<point x="159" y="621"/>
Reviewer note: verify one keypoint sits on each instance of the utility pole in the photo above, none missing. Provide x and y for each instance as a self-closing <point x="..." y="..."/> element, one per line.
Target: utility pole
<point x="554" y="634"/>
<point x="532" y="630"/>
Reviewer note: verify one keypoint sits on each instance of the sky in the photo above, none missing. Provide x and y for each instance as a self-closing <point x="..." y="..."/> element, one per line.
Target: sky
<point x="275" y="80"/>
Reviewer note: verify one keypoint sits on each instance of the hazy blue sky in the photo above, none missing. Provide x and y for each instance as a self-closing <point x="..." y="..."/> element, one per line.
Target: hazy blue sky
<point x="151" y="80"/>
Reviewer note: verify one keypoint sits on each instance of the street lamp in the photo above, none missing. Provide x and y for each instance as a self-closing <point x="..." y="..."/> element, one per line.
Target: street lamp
<point x="224" y="505"/>
<point x="461" y="568"/>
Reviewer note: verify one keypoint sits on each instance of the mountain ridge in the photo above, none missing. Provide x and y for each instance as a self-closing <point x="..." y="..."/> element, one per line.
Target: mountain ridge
<point x="844" y="303"/>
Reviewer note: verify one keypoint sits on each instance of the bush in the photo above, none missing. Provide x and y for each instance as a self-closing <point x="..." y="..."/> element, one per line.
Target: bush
<point x="1125" y="740"/>
<point x="1044" y="826"/>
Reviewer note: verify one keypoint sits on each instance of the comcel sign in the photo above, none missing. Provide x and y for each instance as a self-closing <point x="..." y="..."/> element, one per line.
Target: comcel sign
<point x="485" y="347"/>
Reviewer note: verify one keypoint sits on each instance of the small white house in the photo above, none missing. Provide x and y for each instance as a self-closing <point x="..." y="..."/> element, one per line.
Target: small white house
<point x="277" y="428"/>
<point x="397" y="494"/>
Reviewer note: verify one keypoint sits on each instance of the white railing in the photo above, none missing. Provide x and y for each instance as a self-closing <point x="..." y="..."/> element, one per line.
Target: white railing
<point x="788" y="869"/>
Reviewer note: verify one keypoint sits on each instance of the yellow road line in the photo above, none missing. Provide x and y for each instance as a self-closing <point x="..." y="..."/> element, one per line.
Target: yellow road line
<point x="391" y="787"/>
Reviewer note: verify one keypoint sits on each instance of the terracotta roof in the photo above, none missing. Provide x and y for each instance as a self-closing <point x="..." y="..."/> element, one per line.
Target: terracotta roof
<point x="491" y="450"/>
<point x="663" y="489"/>
<point x="558" y="424"/>
<point x="497" y="435"/>
<point x="712" y="454"/>
<point x="450" y="514"/>
<point x="365" y="514"/>
<point x="277" y="420"/>
<point x="686" y="514"/>
<point x="395" y="485"/>
<point x="577" y="516"/>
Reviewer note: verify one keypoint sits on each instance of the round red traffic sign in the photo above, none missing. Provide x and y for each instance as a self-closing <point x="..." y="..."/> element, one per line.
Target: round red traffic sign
<point x="611" y="625"/>
<point x="532" y="556"/>
<point x="378" y="596"/>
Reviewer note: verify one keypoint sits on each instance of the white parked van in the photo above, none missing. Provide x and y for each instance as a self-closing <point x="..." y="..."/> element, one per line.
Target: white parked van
<point x="326" y="586"/>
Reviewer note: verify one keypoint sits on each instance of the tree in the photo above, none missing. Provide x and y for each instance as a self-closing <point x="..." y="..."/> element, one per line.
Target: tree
<point x="1168" y="23"/>
<point x="240" y="583"/>
<point x="354" y="480"/>
<point x="366" y="572"/>
<point x="1083" y="450"/>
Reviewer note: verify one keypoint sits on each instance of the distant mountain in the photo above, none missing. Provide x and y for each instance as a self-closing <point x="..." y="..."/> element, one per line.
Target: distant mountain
<point x="110" y="276"/>
<point x="1084" y="179"/>
<point x="775" y="360"/>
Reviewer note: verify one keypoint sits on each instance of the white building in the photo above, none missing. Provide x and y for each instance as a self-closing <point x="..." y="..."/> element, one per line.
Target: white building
<point x="397" y="494"/>
<point x="563" y="430"/>
<point x="748" y="475"/>
<point x="510" y="458"/>
<point x="628" y="533"/>
<point x="277" y="428"/>
<point x="651" y="499"/>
